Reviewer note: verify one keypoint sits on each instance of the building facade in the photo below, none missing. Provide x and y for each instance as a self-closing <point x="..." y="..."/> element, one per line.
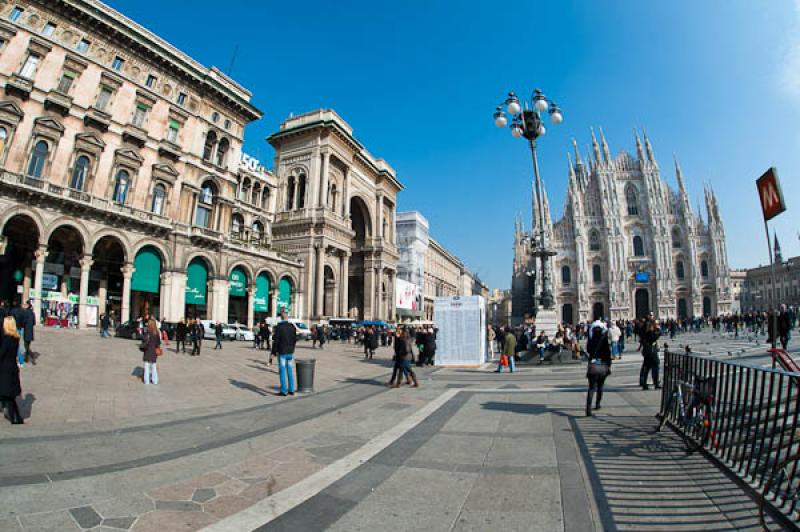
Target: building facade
<point x="336" y="209"/>
<point x="413" y="239"/>
<point x="759" y="294"/>
<point x="627" y="244"/>
<point x="122" y="186"/>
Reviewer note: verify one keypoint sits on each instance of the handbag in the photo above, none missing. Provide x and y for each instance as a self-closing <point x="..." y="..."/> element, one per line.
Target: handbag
<point x="159" y="351"/>
<point x="598" y="368"/>
<point x="504" y="360"/>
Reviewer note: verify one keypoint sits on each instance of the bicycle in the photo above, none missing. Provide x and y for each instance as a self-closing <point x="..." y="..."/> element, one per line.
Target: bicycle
<point x="694" y="410"/>
<point x="784" y="485"/>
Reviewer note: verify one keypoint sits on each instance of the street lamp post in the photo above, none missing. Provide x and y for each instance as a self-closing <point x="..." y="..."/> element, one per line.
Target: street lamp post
<point x="527" y="123"/>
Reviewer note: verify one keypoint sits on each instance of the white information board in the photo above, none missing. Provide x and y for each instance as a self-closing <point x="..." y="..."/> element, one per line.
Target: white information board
<point x="461" y="335"/>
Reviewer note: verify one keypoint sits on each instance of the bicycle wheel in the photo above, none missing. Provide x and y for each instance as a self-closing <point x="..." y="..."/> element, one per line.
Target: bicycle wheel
<point x="777" y="479"/>
<point x="662" y="416"/>
<point x="701" y="427"/>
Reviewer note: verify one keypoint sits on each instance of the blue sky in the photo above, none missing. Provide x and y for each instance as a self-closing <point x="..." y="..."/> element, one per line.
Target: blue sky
<point x="716" y="82"/>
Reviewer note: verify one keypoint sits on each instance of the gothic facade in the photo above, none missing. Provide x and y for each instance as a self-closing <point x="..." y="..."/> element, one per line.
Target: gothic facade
<point x="627" y="244"/>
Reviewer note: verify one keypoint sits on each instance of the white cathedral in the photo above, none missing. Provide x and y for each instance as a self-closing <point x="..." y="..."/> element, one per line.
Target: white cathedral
<point x="627" y="244"/>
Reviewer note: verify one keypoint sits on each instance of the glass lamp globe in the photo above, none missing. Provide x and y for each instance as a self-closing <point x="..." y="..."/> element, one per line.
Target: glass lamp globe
<point x="556" y="117"/>
<point x="516" y="132"/>
<point x="541" y="104"/>
<point x="541" y="131"/>
<point x="500" y="119"/>
<point x="512" y="104"/>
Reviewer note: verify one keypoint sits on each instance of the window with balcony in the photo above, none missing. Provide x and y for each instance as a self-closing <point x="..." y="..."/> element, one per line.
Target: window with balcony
<point x="121" y="183"/>
<point x="159" y="199"/>
<point x="117" y="63"/>
<point x="103" y="98"/>
<point x="38" y="159"/>
<point x="222" y="151"/>
<point x="79" y="173"/>
<point x="255" y="197"/>
<point x="151" y="81"/>
<point x="236" y="225"/>
<point x="209" y="146"/>
<point x="205" y="205"/>
<point x="83" y="46"/>
<point x="30" y="65"/>
<point x="638" y="246"/>
<point x="16" y="12"/>
<point x="139" y="115"/>
<point x="257" y="232"/>
<point x="66" y="81"/>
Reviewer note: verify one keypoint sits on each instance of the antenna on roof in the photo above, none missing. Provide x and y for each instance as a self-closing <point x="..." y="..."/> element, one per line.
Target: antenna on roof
<point x="233" y="59"/>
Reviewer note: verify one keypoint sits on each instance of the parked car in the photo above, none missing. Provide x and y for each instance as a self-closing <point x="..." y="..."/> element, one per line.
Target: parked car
<point x="243" y="333"/>
<point x="129" y="329"/>
<point x="300" y="327"/>
<point x="228" y="333"/>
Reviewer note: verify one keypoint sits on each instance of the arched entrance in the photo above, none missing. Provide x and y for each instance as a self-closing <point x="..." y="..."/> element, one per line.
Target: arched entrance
<point x="196" y="298"/>
<point x="357" y="298"/>
<point x="261" y="299"/>
<point x="105" y="278"/>
<point x="237" y="295"/>
<point x="285" y="295"/>
<point x="329" y="303"/>
<point x="62" y="275"/>
<point x="17" y="268"/>
<point x="706" y="306"/>
<point x="682" y="309"/>
<point x="146" y="283"/>
<point x="598" y="311"/>
<point x="642" y="302"/>
<point x="566" y="313"/>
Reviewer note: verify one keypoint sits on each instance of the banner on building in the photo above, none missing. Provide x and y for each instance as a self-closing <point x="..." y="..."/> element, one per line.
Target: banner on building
<point x="405" y="295"/>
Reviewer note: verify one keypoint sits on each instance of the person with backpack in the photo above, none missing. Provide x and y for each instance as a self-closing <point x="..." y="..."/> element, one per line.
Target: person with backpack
<point x="599" y="350"/>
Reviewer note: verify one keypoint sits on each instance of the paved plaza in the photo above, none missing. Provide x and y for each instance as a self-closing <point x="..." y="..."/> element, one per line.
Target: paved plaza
<point x="214" y="447"/>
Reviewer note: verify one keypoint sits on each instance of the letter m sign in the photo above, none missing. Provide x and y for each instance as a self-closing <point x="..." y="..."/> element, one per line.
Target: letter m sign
<point x="769" y="192"/>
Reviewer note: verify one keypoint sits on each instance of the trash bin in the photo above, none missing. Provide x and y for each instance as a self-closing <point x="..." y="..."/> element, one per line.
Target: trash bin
<point x="305" y="375"/>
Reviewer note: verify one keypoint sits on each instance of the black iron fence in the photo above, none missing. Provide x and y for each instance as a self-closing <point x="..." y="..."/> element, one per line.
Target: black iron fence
<point x="752" y="427"/>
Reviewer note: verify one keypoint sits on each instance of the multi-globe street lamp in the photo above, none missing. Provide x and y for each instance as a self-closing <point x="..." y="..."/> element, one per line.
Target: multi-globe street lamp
<point x="527" y="122"/>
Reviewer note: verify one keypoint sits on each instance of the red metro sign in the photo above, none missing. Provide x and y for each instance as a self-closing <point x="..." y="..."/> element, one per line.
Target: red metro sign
<point x="769" y="192"/>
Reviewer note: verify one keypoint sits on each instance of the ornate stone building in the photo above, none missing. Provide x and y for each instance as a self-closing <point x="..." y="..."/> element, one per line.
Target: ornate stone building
<point x="336" y="210"/>
<point x="121" y="184"/>
<point x="627" y="244"/>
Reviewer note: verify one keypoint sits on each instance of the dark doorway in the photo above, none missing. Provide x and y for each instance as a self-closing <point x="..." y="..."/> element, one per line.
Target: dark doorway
<point x="682" y="314"/>
<point x="17" y="263"/>
<point x="566" y="313"/>
<point x="598" y="311"/>
<point x="105" y="280"/>
<point x="330" y="293"/>
<point x="642" y="302"/>
<point x="360" y="224"/>
<point x="706" y="306"/>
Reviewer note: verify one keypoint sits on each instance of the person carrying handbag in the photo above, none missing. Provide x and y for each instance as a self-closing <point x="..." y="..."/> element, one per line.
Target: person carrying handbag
<point x="151" y="350"/>
<point x="599" y="368"/>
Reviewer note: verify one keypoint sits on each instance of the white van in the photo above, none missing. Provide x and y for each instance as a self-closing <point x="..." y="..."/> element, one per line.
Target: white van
<point x="300" y="327"/>
<point x="228" y="333"/>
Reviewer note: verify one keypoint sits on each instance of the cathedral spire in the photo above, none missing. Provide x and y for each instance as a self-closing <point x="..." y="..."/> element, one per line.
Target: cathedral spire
<point x="639" y="151"/>
<point x="679" y="176"/>
<point x="577" y="152"/>
<point x="595" y="148"/>
<point x="604" y="144"/>
<point x="648" y="148"/>
<point x="776" y="247"/>
<point x="571" y="170"/>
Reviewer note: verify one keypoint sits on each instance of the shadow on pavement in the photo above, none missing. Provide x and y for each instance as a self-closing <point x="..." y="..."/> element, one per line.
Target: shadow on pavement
<point x="26" y="405"/>
<point x="249" y="387"/>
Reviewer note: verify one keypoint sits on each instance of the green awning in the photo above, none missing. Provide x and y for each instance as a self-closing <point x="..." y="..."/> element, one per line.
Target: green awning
<point x="237" y="282"/>
<point x="196" y="282"/>
<point x="147" y="274"/>
<point x="285" y="295"/>
<point x="261" y="299"/>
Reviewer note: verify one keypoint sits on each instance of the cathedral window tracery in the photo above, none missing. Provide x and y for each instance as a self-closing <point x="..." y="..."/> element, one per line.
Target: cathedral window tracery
<point x="594" y="241"/>
<point x="638" y="246"/>
<point x="632" y="200"/>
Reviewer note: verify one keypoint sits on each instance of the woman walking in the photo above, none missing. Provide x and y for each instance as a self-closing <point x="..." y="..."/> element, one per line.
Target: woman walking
<point x="403" y="354"/>
<point x="151" y="346"/>
<point x="599" y="351"/>
<point x="648" y="343"/>
<point x="10" y="387"/>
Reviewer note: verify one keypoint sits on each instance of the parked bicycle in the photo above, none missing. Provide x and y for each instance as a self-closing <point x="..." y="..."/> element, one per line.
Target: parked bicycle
<point x="782" y="489"/>
<point x="692" y="408"/>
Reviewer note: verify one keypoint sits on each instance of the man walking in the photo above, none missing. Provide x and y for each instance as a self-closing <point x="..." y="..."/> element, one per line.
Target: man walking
<point x="283" y="344"/>
<point x="218" y="336"/>
<point x="105" y="323"/>
<point x="180" y="336"/>
<point x="29" y="321"/>
<point x="197" y="332"/>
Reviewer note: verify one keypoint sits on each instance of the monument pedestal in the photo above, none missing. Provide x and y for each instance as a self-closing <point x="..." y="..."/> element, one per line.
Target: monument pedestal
<point x="547" y="321"/>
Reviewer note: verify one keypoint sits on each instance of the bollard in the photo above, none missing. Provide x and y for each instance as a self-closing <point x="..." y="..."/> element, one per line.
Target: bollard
<point x="305" y="375"/>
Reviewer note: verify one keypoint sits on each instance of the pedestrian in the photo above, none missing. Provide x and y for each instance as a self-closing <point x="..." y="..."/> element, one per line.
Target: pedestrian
<point x="265" y="334"/>
<point x="404" y="355"/>
<point x="614" y="335"/>
<point x="28" y="324"/>
<point x="197" y="331"/>
<point x="151" y="350"/>
<point x="648" y="343"/>
<point x="429" y="346"/>
<point x="599" y="367"/>
<point x="321" y="332"/>
<point x="180" y="336"/>
<point x="490" y="338"/>
<point x="17" y="312"/>
<point x="784" y="327"/>
<point x="105" y="323"/>
<point x="397" y="367"/>
<point x="541" y="345"/>
<point x="218" y="335"/>
<point x="315" y="334"/>
<point x="283" y="346"/>
<point x="10" y="387"/>
<point x="509" y="347"/>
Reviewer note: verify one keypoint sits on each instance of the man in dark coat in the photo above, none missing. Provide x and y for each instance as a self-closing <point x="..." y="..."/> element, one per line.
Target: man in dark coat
<point x="180" y="336"/>
<point x="218" y="335"/>
<point x="105" y="323"/>
<point x="784" y="326"/>
<point x="283" y="345"/>
<point x="29" y="321"/>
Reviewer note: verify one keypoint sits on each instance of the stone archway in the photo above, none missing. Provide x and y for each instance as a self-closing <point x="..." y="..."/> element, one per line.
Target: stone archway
<point x="60" y="290"/>
<point x="19" y="243"/>
<point x="358" y="297"/>
<point x="642" y="302"/>
<point x="329" y="302"/>
<point x="598" y="311"/>
<point x="106" y="279"/>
